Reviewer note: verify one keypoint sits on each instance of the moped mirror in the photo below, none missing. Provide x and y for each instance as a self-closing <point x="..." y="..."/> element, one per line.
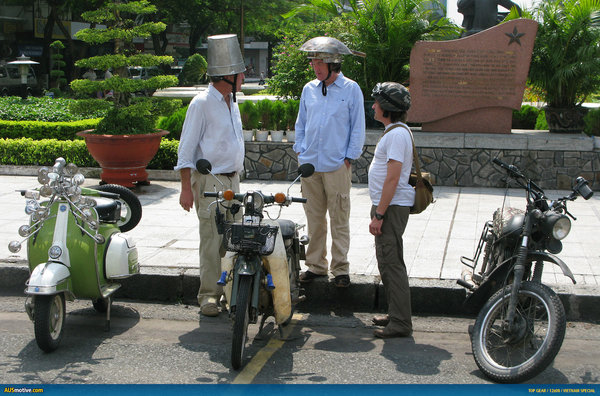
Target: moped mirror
<point x="306" y="170"/>
<point x="203" y="166"/>
<point x="582" y="188"/>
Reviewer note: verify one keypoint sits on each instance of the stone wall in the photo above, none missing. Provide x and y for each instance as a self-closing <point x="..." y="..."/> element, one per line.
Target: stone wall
<point x="459" y="159"/>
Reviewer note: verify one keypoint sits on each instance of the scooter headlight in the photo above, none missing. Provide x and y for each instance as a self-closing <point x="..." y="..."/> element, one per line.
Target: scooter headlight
<point x="557" y="225"/>
<point x="54" y="252"/>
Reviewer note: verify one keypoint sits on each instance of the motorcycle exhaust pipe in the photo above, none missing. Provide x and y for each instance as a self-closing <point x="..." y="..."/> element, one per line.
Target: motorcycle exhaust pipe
<point x="466" y="280"/>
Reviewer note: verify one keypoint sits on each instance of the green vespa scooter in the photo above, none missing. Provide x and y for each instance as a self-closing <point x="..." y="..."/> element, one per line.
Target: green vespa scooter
<point x="76" y="247"/>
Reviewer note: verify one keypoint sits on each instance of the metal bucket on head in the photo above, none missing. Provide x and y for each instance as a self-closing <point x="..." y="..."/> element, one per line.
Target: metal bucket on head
<point x="224" y="56"/>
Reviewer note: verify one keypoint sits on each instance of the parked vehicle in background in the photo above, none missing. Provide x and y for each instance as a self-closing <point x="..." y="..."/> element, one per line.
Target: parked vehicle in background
<point x="143" y="73"/>
<point x="10" y="81"/>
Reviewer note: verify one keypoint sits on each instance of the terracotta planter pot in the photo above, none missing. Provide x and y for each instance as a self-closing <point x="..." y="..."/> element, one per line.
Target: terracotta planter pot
<point x="123" y="158"/>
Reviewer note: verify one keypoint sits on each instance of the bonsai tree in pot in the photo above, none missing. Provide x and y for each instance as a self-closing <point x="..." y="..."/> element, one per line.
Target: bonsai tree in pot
<point x="129" y="128"/>
<point x="566" y="59"/>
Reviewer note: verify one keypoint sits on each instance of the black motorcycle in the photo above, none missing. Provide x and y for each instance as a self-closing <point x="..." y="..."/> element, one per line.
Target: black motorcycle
<point x="521" y="326"/>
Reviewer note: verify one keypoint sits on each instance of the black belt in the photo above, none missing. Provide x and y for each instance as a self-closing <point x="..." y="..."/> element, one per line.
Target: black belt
<point x="230" y="174"/>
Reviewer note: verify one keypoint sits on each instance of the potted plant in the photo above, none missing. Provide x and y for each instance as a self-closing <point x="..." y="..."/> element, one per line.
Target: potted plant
<point x="279" y="121"/>
<point x="264" y="111"/>
<point x="291" y="114"/>
<point x="126" y="139"/>
<point x="249" y="115"/>
<point x="566" y="59"/>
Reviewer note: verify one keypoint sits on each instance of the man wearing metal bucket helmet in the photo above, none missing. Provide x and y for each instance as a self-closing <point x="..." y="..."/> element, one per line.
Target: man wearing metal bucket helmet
<point x="330" y="133"/>
<point x="212" y="130"/>
<point x="392" y="198"/>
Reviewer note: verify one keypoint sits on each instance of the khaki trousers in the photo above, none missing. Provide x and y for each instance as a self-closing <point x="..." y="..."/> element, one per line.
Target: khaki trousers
<point x="389" y="251"/>
<point x="210" y="246"/>
<point x="328" y="192"/>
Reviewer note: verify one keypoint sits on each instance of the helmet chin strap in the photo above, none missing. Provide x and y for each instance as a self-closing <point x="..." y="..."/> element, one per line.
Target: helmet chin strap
<point x="233" y="84"/>
<point x="324" y="87"/>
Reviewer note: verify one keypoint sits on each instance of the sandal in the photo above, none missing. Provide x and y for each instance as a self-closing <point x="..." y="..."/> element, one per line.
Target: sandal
<point x="308" y="276"/>
<point x="342" y="280"/>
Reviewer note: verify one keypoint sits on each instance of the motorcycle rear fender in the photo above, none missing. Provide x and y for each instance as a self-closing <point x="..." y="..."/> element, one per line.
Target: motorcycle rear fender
<point x="549" y="257"/>
<point x="48" y="279"/>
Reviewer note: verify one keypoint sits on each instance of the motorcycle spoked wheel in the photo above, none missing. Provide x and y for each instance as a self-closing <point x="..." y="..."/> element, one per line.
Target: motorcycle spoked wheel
<point x="241" y="320"/>
<point x="511" y="358"/>
<point x="131" y="208"/>
<point x="49" y="320"/>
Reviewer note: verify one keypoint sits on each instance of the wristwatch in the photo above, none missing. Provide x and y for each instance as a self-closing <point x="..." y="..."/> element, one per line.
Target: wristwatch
<point x="378" y="216"/>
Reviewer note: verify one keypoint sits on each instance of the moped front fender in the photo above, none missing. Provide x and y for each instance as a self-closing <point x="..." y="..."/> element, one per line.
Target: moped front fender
<point x="543" y="256"/>
<point x="49" y="278"/>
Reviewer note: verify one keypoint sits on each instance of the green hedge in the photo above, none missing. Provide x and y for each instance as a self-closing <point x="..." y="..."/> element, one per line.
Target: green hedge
<point x="45" y="130"/>
<point x="26" y="151"/>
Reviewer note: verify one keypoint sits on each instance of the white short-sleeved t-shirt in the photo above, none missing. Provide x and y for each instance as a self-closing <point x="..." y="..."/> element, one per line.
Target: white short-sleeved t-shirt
<point x="396" y="144"/>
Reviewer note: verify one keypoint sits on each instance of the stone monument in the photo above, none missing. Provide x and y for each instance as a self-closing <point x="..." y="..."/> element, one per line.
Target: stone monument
<point x="471" y="84"/>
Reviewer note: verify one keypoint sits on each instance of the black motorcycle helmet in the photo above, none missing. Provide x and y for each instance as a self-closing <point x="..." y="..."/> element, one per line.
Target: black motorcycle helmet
<point x="392" y="96"/>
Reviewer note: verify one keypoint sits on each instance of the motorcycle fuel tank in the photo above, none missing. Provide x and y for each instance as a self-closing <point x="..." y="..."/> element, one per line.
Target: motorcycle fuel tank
<point x="121" y="257"/>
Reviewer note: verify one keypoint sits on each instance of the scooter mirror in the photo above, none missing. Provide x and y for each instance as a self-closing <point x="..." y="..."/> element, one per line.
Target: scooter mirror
<point x="306" y="170"/>
<point x="203" y="166"/>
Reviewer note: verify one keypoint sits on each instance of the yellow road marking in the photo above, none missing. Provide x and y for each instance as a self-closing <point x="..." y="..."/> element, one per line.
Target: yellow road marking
<point x="254" y="366"/>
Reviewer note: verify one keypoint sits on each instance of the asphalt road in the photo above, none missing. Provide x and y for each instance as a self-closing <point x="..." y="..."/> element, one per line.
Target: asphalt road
<point x="171" y="344"/>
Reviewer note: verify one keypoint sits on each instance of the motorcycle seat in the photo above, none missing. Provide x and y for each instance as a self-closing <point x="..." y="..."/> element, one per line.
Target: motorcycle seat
<point x="288" y="228"/>
<point x="109" y="212"/>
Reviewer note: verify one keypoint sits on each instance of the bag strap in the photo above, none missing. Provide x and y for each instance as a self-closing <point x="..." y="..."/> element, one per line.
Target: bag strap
<point x="415" y="156"/>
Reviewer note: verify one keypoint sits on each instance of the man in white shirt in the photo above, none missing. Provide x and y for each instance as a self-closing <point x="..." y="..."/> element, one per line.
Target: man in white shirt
<point x="213" y="130"/>
<point x="392" y="198"/>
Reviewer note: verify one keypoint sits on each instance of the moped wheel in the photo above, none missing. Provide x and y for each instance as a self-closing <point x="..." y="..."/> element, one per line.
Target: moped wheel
<point x="241" y="320"/>
<point x="49" y="320"/>
<point x="521" y="354"/>
<point x="131" y="208"/>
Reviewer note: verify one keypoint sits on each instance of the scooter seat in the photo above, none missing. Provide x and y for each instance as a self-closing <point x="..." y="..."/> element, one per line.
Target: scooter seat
<point x="109" y="212"/>
<point x="288" y="228"/>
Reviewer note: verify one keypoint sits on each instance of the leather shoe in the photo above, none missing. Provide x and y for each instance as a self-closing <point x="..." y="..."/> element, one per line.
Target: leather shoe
<point x="381" y="320"/>
<point x="210" y="309"/>
<point x="386" y="333"/>
<point x="342" y="280"/>
<point x="308" y="276"/>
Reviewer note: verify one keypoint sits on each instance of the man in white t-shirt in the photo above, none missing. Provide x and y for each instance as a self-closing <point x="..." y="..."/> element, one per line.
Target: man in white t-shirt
<point x="392" y="197"/>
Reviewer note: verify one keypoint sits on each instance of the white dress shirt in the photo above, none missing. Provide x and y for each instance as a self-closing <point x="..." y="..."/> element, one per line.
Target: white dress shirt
<point x="210" y="131"/>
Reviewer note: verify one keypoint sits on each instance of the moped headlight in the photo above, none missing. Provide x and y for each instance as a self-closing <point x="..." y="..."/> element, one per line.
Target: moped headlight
<point x="54" y="252"/>
<point x="557" y="225"/>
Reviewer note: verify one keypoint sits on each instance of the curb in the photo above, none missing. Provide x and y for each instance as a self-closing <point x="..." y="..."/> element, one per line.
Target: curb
<point x="365" y="294"/>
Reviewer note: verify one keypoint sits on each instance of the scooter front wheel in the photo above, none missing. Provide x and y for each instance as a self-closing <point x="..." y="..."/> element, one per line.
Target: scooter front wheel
<point x="49" y="320"/>
<point x="241" y="320"/>
<point x="525" y="350"/>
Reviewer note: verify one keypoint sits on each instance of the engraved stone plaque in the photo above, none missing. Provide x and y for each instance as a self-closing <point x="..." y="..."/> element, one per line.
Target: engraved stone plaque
<point x="471" y="84"/>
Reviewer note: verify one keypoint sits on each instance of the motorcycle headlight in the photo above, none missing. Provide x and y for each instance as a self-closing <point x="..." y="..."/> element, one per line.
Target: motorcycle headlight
<point x="54" y="252"/>
<point x="557" y="225"/>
